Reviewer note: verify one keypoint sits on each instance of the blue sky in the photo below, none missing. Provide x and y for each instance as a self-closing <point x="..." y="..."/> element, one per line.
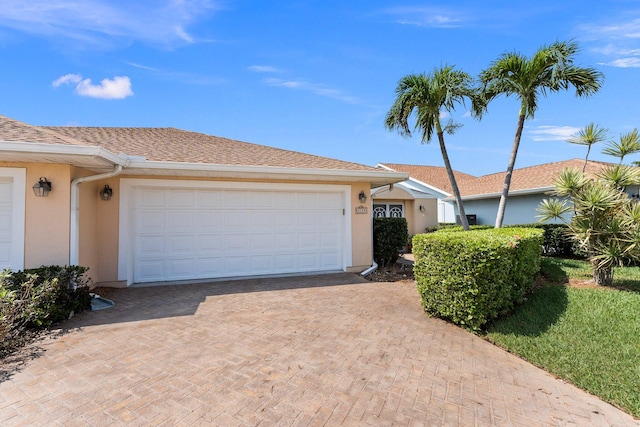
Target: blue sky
<point x="312" y="76"/>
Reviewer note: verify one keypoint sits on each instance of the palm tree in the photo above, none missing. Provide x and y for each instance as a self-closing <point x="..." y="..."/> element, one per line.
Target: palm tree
<point x="605" y="223"/>
<point x="629" y="144"/>
<point x="550" y="69"/>
<point x="589" y="135"/>
<point x="428" y="95"/>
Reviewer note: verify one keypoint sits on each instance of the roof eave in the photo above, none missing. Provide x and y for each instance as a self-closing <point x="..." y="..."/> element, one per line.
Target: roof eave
<point x="91" y="157"/>
<point x="523" y="192"/>
<point x="376" y="178"/>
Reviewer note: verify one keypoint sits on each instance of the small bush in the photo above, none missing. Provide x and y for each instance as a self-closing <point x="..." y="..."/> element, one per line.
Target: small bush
<point x="34" y="299"/>
<point x="390" y="235"/>
<point x="471" y="278"/>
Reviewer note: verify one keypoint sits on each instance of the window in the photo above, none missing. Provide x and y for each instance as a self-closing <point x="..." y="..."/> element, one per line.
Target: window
<point x="388" y="210"/>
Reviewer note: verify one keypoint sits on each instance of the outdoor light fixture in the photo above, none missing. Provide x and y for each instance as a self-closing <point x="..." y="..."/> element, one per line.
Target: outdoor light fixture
<point x="42" y="187"/>
<point x="421" y="208"/>
<point x="106" y="193"/>
<point x="362" y="197"/>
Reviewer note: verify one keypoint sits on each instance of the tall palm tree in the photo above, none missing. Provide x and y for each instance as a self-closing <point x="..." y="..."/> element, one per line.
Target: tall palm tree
<point x="589" y="135"/>
<point x="629" y="144"/>
<point x="549" y="70"/>
<point x="428" y="95"/>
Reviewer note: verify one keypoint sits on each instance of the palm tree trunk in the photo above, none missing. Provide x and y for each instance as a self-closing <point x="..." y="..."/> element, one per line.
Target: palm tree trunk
<point x="507" y="176"/>
<point x="452" y="180"/>
<point x="602" y="276"/>
<point x="584" y="167"/>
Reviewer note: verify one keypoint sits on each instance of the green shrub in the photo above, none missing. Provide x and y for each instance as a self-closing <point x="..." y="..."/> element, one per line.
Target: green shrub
<point x="34" y="299"/>
<point x="471" y="278"/>
<point x="556" y="240"/>
<point x="390" y="235"/>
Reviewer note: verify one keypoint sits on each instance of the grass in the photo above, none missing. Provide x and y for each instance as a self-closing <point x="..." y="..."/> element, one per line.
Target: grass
<point x="588" y="336"/>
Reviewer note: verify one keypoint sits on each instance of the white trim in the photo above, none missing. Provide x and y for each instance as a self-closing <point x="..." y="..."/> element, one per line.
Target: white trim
<point x="523" y="192"/>
<point x="62" y="149"/>
<point x="383" y="176"/>
<point x="19" y="178"/>
<point x="128" y="185"/>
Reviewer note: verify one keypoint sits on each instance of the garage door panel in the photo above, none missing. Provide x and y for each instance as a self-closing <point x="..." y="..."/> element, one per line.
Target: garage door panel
<point x="261" y="264"/>
<point x="261" y="243"/>
<point x="236" y="265"/>
<point x="150" y="197"/>
<point x="234" y="220"/>
<point x="286" y="220"/>
<point x="147" y="221"/>
<point x="209" y="199"/>
<point x="180" y="244"/>
<point x="183" y="233"/>
<point x="179" y="269"/>
<point x="235" y="199"/>
<point x="179" y="221"/>
<point x="181" y="199"/>
<point x="210" y="243"/>
<point x="151" y="245"/>
<point x="210" y="266"/>
<point x="209" y="220"/>
<point x="150" y="270"/>
<point x="262" y="220"/>
<point x="261" y="200"/>
<point x="308" y="262"/>
<point x="286" y="242"/>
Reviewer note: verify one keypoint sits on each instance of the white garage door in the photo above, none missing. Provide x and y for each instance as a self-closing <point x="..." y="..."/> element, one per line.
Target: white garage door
<point x="198" y="233"/>
<point x="12" y="185"/>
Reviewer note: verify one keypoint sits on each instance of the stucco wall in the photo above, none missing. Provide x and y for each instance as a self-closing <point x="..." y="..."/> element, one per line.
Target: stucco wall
<point x="46" y="240"/>
<point x="519" y="209"/>
<point x="361" y="230"/>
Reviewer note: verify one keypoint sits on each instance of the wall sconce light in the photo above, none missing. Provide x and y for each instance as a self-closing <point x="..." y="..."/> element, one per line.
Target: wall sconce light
<point x="421" y="208"/>
<point x="106" y="193"/>
<point x="42" y="187"/>
<point x="362" y="197"/>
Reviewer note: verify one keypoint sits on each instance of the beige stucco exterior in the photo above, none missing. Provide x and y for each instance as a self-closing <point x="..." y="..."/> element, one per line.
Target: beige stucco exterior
<point x="417" y="219"/>
<point x="46" y="237"/>
<point x="48" y="221"/>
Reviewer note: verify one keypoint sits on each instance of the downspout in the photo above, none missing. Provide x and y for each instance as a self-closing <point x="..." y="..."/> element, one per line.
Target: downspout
<point x="74" y="232"/>
<point x="371" y="269"/>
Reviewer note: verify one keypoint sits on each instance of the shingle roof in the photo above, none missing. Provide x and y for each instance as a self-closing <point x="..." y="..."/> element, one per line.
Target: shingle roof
<point x="529" y="178"/>
<point x="435" y="176"/>
<point x="172" y="145"/>
<point x="15" y="131"/>
<point x="175" y="145"/>
<point x="539" y="176"/>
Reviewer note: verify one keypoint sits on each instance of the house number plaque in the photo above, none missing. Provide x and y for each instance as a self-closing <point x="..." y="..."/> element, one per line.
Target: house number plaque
<point x="361" y="210"/>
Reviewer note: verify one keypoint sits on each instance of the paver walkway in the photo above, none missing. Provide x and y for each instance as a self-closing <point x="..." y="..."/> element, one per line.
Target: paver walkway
<point x="303" y="351"/>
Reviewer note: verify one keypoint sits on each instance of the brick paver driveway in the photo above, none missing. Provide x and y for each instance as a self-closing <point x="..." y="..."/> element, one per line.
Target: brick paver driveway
<point x="314" y="350"/>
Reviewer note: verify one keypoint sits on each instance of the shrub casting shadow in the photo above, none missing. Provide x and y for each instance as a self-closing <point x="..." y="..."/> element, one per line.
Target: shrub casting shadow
<point x="542" y="309"/>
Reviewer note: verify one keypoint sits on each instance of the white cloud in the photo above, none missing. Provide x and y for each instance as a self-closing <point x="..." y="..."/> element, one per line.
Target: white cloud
<point x="553" y="133"/>
<point x="622" y="41"/>
<point x="263" y="69"/>
<point x="624" y="63"/>
<point x="67" y="78"/>
<point x="315" y="88"/>
<point x="118" y="87"/>
<point x="103" y="23"/>
<point x="432" y="17"/>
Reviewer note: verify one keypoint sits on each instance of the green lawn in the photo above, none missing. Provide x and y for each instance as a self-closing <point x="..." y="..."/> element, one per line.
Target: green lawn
<point x="588" y="336"/>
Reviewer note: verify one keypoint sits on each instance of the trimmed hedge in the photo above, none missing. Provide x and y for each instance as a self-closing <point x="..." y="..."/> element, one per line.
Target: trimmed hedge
<point x="556" y="241"/>
<point x="390" y="235"/>
<point x="470" y="278"/>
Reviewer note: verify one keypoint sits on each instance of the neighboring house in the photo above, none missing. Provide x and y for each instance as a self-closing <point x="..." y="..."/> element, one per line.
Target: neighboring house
<point x="427" y="186"/>
<point x="162" y="204"/>
<point x="481" y="195"/>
